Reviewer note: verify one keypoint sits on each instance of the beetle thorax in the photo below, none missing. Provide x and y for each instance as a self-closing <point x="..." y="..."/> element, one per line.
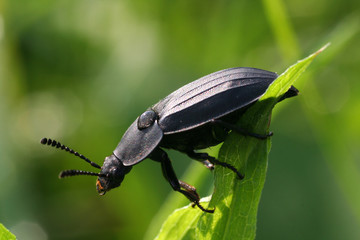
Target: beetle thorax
<point x="147" y="119"/>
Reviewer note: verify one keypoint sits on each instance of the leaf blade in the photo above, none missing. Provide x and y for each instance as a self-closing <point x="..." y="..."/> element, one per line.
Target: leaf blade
<point x="6" y="234"/>
<point x="237" y="201"/>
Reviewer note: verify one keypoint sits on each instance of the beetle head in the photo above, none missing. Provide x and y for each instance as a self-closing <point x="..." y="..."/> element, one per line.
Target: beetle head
<point x="111" y="175"/>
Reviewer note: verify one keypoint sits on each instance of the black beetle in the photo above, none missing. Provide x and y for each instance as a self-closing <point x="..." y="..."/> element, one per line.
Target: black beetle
<point x="196" y="116"/>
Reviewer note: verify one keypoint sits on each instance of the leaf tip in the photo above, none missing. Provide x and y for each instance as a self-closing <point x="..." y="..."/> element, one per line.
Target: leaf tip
<point x="322" y="48"/>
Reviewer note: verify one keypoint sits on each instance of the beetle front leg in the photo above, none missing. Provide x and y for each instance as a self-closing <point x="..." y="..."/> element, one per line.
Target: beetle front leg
<point x="240" y="130"/>
<point x="187" y="190"/>
<point x="204" y="156"/>
<point x="191" y="189"/>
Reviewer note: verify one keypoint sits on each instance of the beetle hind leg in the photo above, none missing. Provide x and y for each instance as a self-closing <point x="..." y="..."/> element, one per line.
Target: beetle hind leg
<point x="203" y="157"/>
<point x="240" y="130"/>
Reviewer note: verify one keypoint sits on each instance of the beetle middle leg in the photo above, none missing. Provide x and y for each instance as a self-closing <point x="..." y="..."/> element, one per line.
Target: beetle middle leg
<point x="204" y="156"/>
<point x="208" y="164"/>
<point x="187" y="190"/>
<point x="240" y="130"/>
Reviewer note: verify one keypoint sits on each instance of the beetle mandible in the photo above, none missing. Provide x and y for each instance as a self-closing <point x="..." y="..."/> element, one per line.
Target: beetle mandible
<point x="196" y="116"/>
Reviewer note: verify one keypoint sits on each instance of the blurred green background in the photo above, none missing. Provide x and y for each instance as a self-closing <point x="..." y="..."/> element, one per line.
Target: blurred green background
<point x="82" y="71"/>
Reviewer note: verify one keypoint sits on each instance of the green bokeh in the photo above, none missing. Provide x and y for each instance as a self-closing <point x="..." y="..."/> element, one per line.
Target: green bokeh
<point x="82" y="71"/>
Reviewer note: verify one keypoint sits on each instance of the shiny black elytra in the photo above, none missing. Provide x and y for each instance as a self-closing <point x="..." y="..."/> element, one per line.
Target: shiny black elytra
<point x="196" y="116"/>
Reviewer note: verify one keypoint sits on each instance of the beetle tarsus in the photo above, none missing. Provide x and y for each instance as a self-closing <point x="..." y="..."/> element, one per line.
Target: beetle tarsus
<point x="196" y="203"/>
<point x="204" y="156"/>
<point x="204" y="209"/>
<point x="229" y="166"/>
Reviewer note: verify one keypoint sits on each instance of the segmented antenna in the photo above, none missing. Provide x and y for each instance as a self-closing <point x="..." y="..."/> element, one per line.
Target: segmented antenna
<point x="53" y="143"/>
<point x="69" y="173"/>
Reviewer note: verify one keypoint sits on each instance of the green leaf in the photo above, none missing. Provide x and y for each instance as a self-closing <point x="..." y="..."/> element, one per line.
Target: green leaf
<point x="5" y="234"/>
<point x="236" y="201"/>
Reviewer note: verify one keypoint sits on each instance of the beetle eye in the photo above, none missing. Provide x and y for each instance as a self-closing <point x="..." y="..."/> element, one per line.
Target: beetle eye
<point x="113" y="170"/>
<point x="146" y="119"/>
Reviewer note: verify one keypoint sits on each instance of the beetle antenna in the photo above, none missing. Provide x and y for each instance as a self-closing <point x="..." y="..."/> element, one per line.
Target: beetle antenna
<point x="56" y="144"/>
<point x="70" y="173"/>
